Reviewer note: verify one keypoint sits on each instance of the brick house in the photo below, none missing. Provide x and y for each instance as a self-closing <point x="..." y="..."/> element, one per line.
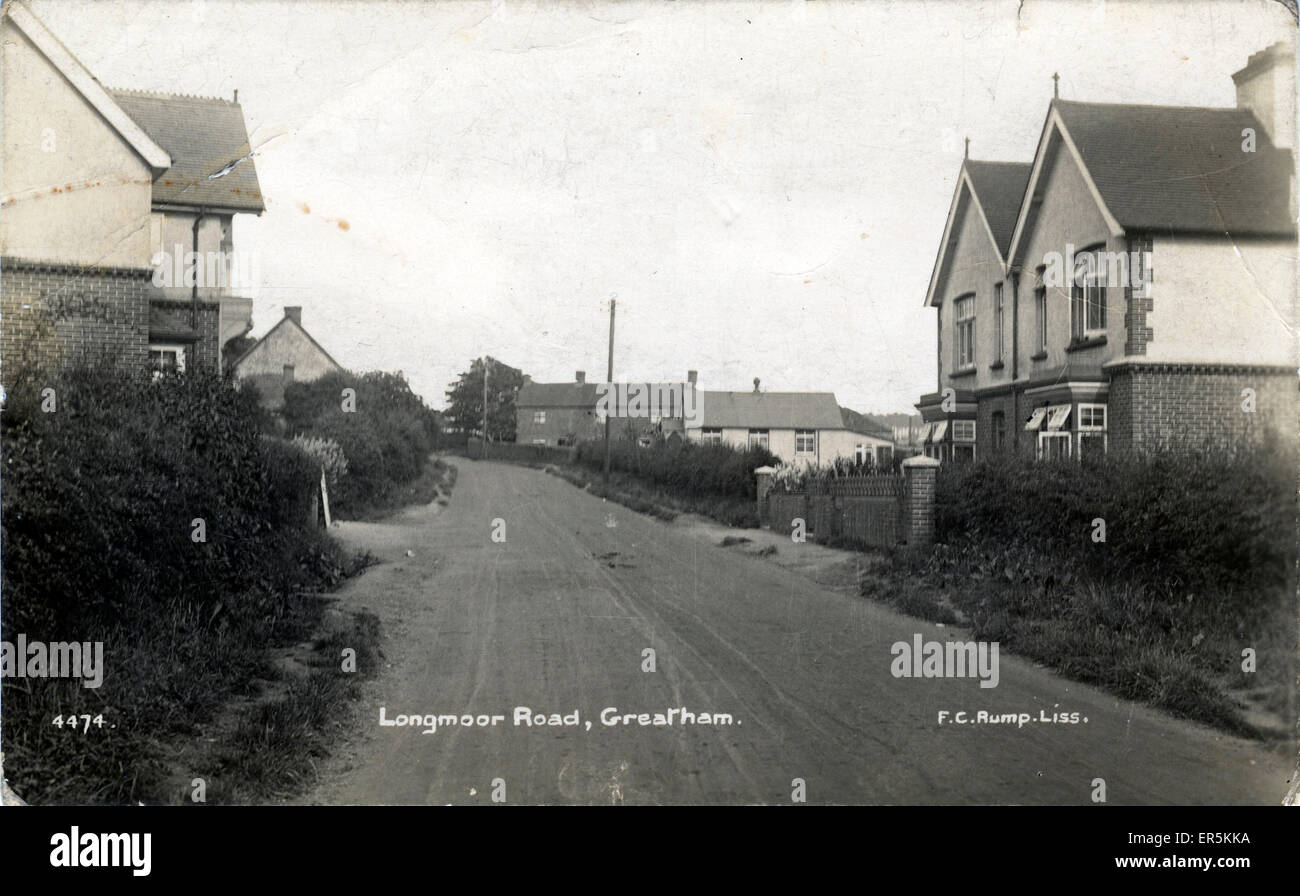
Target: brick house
<point x="1132" y="287"/>
<point x="557" y="413"/>
<point x="286" y="354"/>
<point x="100" y="188"/>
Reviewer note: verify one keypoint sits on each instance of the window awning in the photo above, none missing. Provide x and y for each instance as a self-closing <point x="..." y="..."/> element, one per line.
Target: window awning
<point x="1037" y="419"/>
<point x="1059" y="414"/>
<point x="923" y="437"/>
<point x="940" y="429"/>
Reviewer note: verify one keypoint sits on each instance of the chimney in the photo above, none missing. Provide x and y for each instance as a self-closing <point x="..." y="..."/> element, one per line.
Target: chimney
<point x="755" y="384"/>
<point x="580" y="376"/>
<point x="294" y="313"/>
<point x="1267" y="87"/>
<point x="691" y="376"/>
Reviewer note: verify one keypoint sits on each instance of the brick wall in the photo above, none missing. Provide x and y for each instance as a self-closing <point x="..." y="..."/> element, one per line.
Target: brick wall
<point x="1137" y="305"/>
<point x="984" y="429"/>
<point x="171" y="315"/>
<point x="1195" y="406"/>
<point x="52" y="313"/>
<point x="577" y="423"/>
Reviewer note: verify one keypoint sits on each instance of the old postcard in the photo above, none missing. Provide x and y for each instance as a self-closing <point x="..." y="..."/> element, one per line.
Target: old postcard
<point x="641" y="403"/>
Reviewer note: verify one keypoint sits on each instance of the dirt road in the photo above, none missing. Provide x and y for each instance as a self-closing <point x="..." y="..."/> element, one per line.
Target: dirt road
<point x="557" y="617"/>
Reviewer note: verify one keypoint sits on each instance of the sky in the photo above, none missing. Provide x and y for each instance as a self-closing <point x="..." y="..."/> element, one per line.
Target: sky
<point x="761" y="187"/>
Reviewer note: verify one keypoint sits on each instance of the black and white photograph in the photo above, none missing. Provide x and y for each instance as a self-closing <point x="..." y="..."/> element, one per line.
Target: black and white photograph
<point x="593" y="403"/>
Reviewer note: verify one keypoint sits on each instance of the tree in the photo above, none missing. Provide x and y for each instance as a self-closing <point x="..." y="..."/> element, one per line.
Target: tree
<point x="465" y="399"/>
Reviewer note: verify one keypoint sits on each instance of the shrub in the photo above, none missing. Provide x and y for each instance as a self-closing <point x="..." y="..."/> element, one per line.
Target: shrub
<point x="326" y="453"/>
<point x="683" y="468"/>
<point x="385" y="441"/>
<point x="100" y="501"/>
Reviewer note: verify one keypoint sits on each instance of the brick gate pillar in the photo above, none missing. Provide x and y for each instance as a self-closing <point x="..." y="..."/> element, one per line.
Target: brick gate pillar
<point x="918" y="500"/>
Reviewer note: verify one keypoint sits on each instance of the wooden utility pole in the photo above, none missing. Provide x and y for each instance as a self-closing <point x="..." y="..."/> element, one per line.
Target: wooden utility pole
<point x="485" y="409"/>
<point x="609" y="378"/>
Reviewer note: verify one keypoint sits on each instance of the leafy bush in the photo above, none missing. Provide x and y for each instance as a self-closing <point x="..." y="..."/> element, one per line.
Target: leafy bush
<point x="1174" y="520"/>
<point x="683" y="468"/>
<point x="386" y="437"/>
<point x="102" y="501"/>
<point x="326" y="453"/>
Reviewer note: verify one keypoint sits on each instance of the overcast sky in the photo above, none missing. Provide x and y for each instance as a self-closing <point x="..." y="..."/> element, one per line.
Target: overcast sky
<point x="762" y="185"/>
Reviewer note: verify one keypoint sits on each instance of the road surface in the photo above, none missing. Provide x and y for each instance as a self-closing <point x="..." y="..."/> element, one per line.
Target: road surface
<point x="557" y="618"/>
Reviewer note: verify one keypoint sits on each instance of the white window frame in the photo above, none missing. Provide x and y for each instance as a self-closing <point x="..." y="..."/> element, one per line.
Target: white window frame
<point x="539" y="417"/>
<point x="1093" y="434"/>
<point x="711" y="435"/>
<point x="1090" y="296"/>
<point x="1063" y="435"/>
<point x="811" y="436"/>
<point x="884" y="455"/>
<point x="962" y="447"/>
<point x="960" y="426"/>
<point x="964" y="331"/>
<point x="1087" y="408"/>
<point x="1092" y="430"/>
<point x="178" y="347"/>
<point x="759" y="438"/>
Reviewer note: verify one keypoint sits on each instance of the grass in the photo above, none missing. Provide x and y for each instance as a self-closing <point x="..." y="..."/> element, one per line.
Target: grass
<point x="1181" y="653"/>
<point x="275" y="747"/>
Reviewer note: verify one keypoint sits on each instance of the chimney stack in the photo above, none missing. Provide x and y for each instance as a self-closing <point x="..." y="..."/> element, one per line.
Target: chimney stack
<point x="691" y="376"/>
<point x="580" y="376"/>
<point x="755" y="384"/>
<point x="1267" y="87"/>
<point x="294" y="313"/>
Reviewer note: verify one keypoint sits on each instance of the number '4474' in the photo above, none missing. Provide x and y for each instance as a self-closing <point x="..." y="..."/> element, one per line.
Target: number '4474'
<point x="70" y="722"/>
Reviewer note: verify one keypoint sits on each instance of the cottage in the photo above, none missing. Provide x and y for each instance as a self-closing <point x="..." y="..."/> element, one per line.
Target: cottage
<point x="1175" y="230"/>
<point x="286" y="354"/>
<point x="798" y="427"/>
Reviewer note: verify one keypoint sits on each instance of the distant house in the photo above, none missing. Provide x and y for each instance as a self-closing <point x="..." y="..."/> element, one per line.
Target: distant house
<point x="91" y="207"/>
<point x="1132" y="286"/>
<point x="286" y="354"/>
<point x="798" y="427"/>
<point x="557" y="414"/>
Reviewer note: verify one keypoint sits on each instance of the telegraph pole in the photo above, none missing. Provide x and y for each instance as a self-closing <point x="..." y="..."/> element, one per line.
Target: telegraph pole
<point x="609" y="378"/>
<point x="485" y="409"/>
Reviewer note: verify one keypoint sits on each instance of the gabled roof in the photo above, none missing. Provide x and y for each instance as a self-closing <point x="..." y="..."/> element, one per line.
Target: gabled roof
<point x="998" y="188"/>
<point x="286" y="320"/>
<point x="770" y="410"/>
<point x="1168" y="169"/>
<point x="1182" y="169"/>
<point x="556" y="395"/>
<point x="88" y="86"/>
<point x="864" y="425"/>
<point x="994" y="191"/>
<point x="205" y="136"/>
